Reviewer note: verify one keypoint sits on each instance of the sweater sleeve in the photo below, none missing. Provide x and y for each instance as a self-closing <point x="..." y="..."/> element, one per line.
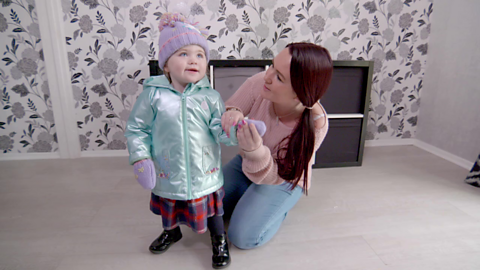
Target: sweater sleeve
<point x="245" y="96"/>
<point x="261" y="168"/>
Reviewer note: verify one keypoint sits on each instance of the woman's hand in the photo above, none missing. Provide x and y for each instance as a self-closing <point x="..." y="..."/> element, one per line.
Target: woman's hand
<point x="231" y="118"/>
<point x="248" y="138"/>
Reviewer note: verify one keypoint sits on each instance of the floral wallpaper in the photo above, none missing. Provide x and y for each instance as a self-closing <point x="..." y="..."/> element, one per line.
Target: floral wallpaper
<point x="26" y="119"/>
<point x="110" y="42"/>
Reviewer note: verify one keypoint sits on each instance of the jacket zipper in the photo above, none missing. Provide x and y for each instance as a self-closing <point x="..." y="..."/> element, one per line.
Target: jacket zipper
<point x="185" y="140"/>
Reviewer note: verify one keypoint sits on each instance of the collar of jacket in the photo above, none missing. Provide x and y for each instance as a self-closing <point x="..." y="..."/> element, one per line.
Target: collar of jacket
<point x="162" y="81"/>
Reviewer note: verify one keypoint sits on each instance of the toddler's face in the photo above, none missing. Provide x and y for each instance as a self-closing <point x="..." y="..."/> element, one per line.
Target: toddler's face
<point x="186" y="65"/>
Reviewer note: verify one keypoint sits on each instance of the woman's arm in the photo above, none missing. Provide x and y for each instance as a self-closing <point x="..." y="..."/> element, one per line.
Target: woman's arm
<point x="258" y="163"/>
<point x="260" y="166"/>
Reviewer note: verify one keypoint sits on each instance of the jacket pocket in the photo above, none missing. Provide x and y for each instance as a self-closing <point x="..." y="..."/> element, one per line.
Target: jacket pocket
<point x="211" y="159"/>
<point x="164" y="165"/>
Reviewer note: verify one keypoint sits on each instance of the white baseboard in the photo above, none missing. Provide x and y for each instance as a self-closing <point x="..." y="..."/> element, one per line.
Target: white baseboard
<point x="29" y="156"/>
<point x="389" y="142"/>
<point x="424" y="146"/>
<point x="105" y="153"/>
<point x="444" y="154"/>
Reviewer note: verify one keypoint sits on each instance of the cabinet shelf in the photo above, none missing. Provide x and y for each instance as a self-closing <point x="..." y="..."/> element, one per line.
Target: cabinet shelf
<point x="344" y="115"/>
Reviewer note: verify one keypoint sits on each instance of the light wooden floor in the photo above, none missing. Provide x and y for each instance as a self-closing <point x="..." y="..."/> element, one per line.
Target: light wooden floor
<point x="404" y="209"/>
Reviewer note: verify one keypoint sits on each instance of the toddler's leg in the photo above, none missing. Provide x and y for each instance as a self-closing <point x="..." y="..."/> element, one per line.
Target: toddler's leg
<point x="221" y="256"/>
<point x="168" y="237"/>
<point x="215" y="225"/>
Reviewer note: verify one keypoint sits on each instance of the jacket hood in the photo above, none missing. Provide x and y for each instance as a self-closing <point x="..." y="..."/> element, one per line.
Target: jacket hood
<point x="162" y="81"/>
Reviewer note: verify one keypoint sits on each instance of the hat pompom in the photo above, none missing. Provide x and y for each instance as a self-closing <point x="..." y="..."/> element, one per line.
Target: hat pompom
<point x="169" y="19"/>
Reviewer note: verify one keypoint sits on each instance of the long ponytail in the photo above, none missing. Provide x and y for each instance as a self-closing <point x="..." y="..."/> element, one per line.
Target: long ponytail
<point x="300" y="145"/>
<point x="311" y="71"/>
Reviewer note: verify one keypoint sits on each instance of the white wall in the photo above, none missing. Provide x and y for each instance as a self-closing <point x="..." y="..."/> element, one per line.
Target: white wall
<point x="449" y="115"/>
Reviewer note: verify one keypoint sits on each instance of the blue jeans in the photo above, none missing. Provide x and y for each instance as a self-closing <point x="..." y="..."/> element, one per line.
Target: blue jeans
<point x="256" y="211"/>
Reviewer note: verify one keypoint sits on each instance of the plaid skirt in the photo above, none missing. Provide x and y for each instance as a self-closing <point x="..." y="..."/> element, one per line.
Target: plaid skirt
<point x="193" y="213"/>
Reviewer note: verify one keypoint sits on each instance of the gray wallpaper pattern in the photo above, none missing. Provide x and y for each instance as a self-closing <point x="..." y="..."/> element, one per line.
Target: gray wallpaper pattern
<point x="26" y="120"/>
<point x="109" y="44"/>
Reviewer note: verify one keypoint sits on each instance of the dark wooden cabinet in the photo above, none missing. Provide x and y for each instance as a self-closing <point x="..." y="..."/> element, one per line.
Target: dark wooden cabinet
<point x="346" y="103"/>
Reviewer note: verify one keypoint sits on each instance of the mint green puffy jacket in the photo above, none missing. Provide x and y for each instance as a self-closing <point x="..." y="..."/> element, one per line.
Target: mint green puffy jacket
<point x="181" y="133"/>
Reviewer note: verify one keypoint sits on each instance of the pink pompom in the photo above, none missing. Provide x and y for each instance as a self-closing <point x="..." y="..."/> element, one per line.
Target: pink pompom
<point x="169" y="19"/>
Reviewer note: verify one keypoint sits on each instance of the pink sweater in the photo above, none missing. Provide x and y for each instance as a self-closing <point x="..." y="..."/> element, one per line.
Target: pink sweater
<point x="260" y="165"/>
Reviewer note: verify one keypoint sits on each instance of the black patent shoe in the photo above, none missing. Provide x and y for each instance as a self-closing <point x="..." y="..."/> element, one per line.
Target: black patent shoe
<point x="165" y="240"/>
<point x="221" y="256"/>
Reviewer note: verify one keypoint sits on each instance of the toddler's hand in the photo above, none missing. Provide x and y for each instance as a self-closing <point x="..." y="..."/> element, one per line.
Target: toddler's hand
<point x="144" y="171"/>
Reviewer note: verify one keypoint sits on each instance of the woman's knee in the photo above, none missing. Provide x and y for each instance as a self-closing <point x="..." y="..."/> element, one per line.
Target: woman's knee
<point x="242" y="238"/>
<point x="245" y="234"/>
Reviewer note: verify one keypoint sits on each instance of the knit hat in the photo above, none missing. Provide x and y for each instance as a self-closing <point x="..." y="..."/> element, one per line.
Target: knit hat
<point x="177" y="32"/>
